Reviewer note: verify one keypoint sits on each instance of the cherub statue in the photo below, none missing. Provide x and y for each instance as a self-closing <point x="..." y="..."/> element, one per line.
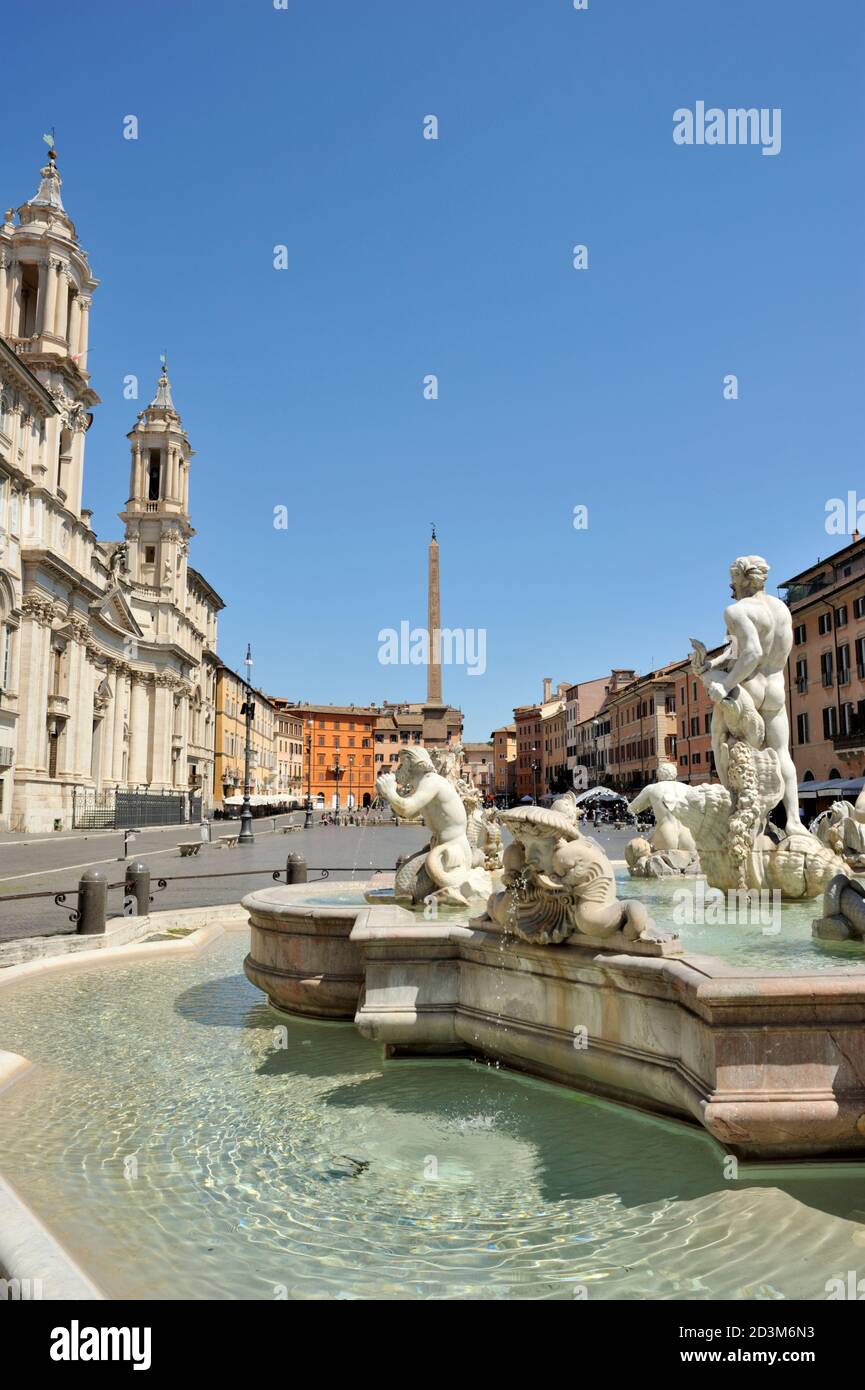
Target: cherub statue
<point x="447" y="870"/>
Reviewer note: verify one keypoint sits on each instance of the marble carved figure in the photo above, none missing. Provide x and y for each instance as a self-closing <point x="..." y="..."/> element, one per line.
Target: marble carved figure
<point x="558" y="884"/>
<point x="842" y="829"/>
<point x="738" y="847"/>
<point x="447" y="870"/>
<point x="670" y="849"/>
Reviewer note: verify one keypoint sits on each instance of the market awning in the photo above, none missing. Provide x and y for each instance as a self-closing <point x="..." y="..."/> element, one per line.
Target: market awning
<point x="840" y="787"/>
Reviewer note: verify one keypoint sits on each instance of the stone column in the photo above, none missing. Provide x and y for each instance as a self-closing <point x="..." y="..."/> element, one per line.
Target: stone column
<point x="120" y="687"/>
<point x="79" y="728"/>
<point x="62" y="311"/>
<point x="83" y="331"/>
<point x="49" y="311"/>
<point x="163" y="725"/>
<point x="15" y="296"/>
<point x="5" y="262"/>
<point x="74" y="329"/>
<point x="139" y="729"/>
<point x="41" y="291"/>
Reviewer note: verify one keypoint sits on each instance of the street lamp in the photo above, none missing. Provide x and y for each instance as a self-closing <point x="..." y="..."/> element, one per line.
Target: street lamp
<point x="535" y="766"/>
<point x="350" y="774"/>
<point x="247" y="709"/>
<point x="337" y="771"/>
<point x="307" y="819"/>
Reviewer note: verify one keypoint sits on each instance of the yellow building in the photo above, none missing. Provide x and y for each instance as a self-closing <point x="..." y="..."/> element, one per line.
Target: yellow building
<point x="231" y="736"/>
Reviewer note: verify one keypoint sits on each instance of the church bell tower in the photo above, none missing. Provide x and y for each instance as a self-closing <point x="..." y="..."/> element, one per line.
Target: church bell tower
<point x="157" y="512"/>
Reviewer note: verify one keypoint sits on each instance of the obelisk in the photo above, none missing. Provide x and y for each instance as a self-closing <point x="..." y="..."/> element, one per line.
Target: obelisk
<point x="434" y="620"/>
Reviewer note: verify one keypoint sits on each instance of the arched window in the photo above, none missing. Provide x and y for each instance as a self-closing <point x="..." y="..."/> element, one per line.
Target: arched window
<point x="808" y="777"/>
<point x="834" y="775"/>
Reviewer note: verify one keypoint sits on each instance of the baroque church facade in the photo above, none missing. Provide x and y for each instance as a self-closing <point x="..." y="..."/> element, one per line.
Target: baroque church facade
<point x="107" y="648"/>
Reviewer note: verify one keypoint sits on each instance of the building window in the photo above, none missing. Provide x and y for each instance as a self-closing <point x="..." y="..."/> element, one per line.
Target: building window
<point x="800" y="634"/>
<point x="841" y="616"/>
<point x="150" y="555"/>
<point x="802" y="675"/>
<point x="5" y="656"/>
<point x="826" y="668"/>
<point x="844" y="664"/>
<point x="824" y="624"/>
<point x="830" y="722"/>
<point x="802" y="728"/>
<point x="859" y="607"/>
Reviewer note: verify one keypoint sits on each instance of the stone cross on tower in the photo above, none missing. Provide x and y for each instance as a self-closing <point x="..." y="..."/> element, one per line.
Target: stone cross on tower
<point x="434" y="670"/>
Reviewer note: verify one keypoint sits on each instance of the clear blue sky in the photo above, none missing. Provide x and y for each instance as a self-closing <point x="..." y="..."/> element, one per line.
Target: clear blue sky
<point x="406" y="257"/>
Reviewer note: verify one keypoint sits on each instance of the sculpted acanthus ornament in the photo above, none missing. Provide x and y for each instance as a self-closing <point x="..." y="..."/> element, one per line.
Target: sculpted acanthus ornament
<point x="42" y="609"/>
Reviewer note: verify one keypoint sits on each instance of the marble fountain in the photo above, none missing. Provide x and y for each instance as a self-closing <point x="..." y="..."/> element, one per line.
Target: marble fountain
<point x="528" y="956"/>
<point x="368" y="1113"/>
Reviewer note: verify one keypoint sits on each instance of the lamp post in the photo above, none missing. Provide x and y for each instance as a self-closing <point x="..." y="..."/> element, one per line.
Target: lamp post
<point x="535" y="771"/>
<point x="337" y="771"/>
<point x="246" y="836"/>
<point x="350" y="775"/>
<point x="307" y="819"/>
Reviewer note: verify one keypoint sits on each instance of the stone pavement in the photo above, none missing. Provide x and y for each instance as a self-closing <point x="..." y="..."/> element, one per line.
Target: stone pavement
<point x="58" y="865"/>
<point x="215" y="875"/>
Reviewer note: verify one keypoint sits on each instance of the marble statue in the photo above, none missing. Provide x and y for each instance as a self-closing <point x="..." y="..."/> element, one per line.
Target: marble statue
<point x="670" y="849"/>
<point x="558" y="884"/>
<point x="482" y="827"/>
<point x="842" y="830"/>
<point x="843" y="911"/>
<point x="447" y="870"/>
<point x="737" y="846"/>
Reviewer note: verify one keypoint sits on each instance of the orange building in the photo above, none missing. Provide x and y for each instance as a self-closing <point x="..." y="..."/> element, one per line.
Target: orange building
<point x="643" y="728"/>
<point x="338" y="762"/>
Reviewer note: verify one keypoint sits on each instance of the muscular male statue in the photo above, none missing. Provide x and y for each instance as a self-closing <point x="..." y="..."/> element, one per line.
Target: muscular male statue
<point x="761" y="636"/>
<point x="450" y="861"/>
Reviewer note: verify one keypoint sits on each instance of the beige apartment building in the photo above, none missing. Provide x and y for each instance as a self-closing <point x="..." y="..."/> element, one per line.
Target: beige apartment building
<point x="289" y="750"/>
<point x="479" y="766"/>
<point x="505" y="763"/>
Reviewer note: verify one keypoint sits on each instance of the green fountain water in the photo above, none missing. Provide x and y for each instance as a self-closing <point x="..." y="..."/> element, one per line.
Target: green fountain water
<point x="186" y="1142"/>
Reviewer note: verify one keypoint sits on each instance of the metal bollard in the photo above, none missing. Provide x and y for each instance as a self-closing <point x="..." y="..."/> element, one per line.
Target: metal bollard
<point x="92" y="903"/>
<point x="138" y="886"/>
<point x="295" y="869"/>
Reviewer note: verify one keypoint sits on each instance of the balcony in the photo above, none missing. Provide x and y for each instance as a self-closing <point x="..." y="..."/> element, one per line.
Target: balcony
<point x="852" y="741"/>
<point x="58" y="706"/>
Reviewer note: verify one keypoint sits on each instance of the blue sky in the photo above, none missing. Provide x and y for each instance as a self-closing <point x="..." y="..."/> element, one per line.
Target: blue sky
<point x="406" y="257"/>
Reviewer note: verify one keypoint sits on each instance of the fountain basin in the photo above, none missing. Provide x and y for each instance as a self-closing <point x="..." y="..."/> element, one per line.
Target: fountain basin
<point x="771" y="1063"/>
<point x="301" y="954"/>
